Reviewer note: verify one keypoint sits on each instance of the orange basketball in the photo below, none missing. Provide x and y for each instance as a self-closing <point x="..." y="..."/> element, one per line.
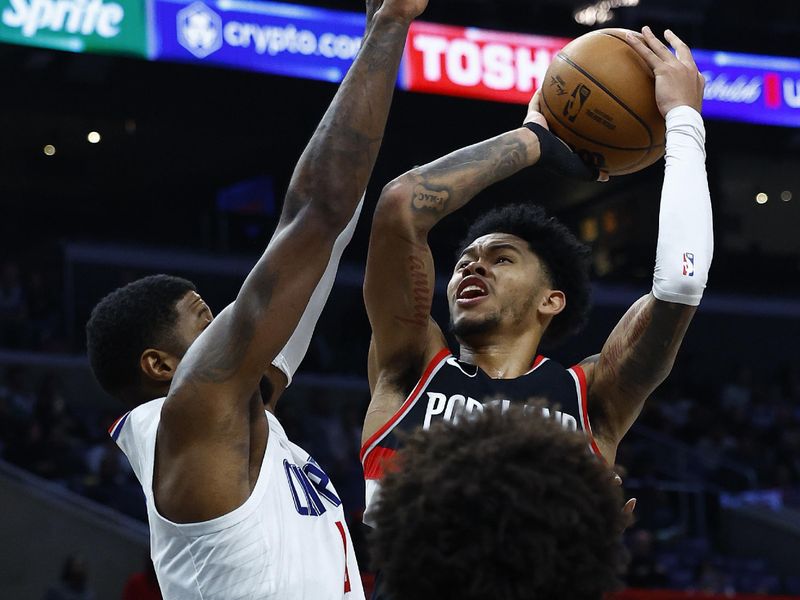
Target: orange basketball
<point x="599" y="97"/>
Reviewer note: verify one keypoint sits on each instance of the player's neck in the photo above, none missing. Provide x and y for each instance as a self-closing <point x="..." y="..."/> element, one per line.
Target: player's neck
<point x="503" y="357"/>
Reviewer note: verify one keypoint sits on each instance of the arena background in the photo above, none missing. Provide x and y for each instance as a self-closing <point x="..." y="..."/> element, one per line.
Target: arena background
<point x="187" y="178"/>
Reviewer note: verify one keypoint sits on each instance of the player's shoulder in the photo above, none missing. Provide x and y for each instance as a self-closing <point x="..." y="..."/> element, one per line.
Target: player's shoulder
<point x="140" y="419"/>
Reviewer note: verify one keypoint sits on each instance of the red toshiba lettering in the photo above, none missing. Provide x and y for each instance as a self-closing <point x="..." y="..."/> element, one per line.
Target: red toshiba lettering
<point x="476" y="63"/>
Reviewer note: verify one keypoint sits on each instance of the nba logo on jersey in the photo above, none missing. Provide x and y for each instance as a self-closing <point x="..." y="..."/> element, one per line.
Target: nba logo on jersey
<point x="688" y="264"/>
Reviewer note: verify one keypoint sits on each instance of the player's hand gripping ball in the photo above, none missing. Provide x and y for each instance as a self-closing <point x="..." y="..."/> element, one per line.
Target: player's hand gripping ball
<point x="599" y="96"/>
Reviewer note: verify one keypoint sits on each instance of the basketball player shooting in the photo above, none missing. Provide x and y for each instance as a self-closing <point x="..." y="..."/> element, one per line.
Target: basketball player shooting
<point x="235" y="509"/>
<point x="522" y="278"/>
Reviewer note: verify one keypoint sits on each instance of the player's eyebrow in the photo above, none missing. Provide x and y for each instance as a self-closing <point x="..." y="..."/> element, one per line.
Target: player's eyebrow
<point x="490" y="247"/>
<point x="493" y="247"/>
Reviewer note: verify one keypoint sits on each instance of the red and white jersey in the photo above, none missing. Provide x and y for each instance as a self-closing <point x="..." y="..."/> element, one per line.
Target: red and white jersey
<point x="450" y="388"/>
<point x="288" y="541"/>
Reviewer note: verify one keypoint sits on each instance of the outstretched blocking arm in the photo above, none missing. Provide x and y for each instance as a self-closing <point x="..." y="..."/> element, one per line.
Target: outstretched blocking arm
<point x="399" y="282"/>
<point x="211" y="427"/>
<point x="641" y="350"/>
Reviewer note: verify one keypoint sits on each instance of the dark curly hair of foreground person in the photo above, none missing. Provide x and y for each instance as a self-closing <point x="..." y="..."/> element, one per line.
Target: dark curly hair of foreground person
<point x="499" y="507"/>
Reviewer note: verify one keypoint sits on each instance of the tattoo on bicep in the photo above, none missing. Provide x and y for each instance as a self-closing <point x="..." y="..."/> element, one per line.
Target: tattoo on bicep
<point x="425" y="198"/>
<point x="421" y="293"/>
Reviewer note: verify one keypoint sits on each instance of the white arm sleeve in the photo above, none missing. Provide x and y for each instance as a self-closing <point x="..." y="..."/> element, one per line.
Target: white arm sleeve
<point x="685" y="228"/>
<point x="292" y="354"/>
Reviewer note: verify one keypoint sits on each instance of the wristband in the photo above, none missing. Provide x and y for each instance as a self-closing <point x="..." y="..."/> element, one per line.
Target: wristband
<point x="556" y="156"/>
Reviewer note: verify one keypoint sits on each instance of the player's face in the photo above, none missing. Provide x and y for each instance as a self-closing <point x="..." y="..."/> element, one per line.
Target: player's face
<point x="496" y="286"/>
<point x="193" y="317"/>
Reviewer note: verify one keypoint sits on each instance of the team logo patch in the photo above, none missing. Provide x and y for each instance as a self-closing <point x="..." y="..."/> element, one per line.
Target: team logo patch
<point x="310" y="487"/>
<point x="688" y="264"/>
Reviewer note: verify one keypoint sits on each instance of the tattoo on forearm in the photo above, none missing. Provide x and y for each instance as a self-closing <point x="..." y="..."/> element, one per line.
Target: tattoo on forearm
<point x="642" y="356"/>
<point x="427" y="199"/>
<point x="337" y="163"/>
<point x="512" y="159"/>
<point x="421" y="293"/>
<point x="446" y="184"/>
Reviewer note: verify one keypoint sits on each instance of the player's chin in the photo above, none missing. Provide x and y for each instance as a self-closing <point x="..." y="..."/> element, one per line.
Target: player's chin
<point x="467" y="324"/>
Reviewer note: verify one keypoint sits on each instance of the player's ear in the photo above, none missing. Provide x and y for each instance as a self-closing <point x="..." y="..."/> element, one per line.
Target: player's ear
<point x="553" y="302"/>
<point x="158" y="365"/>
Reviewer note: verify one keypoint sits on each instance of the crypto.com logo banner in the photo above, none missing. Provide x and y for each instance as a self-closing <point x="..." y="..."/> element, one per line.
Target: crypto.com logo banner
<point x="283" y="39"/>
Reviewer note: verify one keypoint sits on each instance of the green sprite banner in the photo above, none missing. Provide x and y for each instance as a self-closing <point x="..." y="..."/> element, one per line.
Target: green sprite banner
<point x="104" y="26"/>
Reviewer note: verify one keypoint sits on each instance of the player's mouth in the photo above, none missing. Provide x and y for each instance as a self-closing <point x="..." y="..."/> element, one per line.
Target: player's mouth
<point x="471" y="291"/>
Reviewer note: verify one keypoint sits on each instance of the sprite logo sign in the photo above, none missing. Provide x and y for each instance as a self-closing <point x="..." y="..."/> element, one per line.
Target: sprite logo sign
<point x="114" y="26"/>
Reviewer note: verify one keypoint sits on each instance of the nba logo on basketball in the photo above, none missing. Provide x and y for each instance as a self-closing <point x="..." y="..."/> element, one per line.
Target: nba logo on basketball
<point x="688" y="264"/>
<point x="576" y="101"/>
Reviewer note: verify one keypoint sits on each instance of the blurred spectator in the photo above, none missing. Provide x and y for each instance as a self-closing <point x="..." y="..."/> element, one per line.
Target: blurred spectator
<point x="736" y="394"/>
<point x="142" y="585"/>
<point x="114" y="487"/>
<point x="711" y="580"/>
<point x="44" y="319"/>
<point x="12" y="307"/>
<point x="644" y="570"/>
<point x="30" y="313"/>
<point x="18" y="397"/>
<point x="73" y="584"/>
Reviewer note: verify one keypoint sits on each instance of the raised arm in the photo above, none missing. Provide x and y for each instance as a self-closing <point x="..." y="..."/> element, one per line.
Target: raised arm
<point x="211" y="429"/>
<point x="399" y="282"/>
<point x="641" y="350"/>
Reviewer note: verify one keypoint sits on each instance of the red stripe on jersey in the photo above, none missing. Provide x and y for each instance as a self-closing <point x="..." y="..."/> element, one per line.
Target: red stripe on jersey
<point x="114" y="424"/>
<point x="578" y="370"/>
<point x="537" y="361"/>
<point x="412" y="397"/>
<point x="340" y="527"/>
<point x="377" y="461"/>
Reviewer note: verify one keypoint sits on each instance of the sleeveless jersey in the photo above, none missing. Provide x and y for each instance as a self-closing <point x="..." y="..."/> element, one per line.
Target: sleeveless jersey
<point x="288" y="541"/>
<point x="450" y="388"/>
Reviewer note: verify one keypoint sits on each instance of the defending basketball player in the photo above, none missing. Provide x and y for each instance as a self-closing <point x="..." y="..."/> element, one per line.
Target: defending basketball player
<point x="521" y="278"/>
<point x="235" y="509"/>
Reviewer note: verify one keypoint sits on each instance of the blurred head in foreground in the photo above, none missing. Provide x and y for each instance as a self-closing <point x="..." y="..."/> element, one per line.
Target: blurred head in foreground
<point x="499" y="507"/>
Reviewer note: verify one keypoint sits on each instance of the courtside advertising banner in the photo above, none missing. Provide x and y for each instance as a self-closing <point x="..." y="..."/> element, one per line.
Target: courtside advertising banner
<point x="476" y="63"/>
<point x="102" y="26"/>
<point x="508" y="67"/>
<point x="314" y="43"/>
<point x="751" y="88"/>
<point x="283" y="39"/>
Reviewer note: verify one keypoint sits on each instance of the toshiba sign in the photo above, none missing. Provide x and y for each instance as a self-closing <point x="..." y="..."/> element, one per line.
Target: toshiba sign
<point x="462" y="61"/>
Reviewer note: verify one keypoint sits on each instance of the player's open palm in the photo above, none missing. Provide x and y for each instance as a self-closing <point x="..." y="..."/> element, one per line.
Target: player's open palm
<point x="678" y="81"/>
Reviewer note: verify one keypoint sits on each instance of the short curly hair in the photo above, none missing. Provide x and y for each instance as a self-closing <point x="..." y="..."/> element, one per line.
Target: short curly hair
<point x="508" y="506"/>
<point x="565" y="258"/>
<point x="129" y="320"/>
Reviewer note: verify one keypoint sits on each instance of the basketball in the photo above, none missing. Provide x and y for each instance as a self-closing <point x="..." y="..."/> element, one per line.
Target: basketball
<point x="599" y="97"/>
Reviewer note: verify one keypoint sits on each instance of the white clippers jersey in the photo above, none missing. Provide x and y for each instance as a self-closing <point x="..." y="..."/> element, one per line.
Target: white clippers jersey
<point x="288" y="541"/>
